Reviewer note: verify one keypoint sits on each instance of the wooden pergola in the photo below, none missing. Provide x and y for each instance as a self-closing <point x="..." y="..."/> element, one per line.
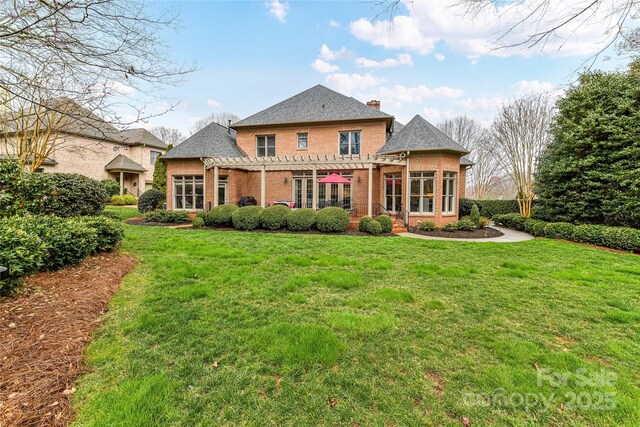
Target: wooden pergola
<point x="311" y="162"/>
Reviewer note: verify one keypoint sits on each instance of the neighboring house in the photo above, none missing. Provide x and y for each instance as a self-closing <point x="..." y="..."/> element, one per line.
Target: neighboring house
<point x="92" y="147"/>
<point x="282" y="153"/>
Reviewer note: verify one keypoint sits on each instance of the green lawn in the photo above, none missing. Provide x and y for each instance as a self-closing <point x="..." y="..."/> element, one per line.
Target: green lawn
<point x="125" y="212"/>
<point x="231" y="328"/>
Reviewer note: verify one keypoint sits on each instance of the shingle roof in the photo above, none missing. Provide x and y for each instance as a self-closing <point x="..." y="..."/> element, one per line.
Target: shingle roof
<point x="213" y="140"/>
<point x="420" y="135"/>
<point x="142" y="136"/>
<point x="465" y="161"/>
<point x="123" y="163"/>
<point x="318" y="104"/>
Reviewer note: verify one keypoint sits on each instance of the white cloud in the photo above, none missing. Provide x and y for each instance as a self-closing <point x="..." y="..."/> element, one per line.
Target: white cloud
<point x="331" y="55"/>
<point x="114" y="87"/>
<point x="278" y="9"/>
<point x="402" y="59"/>
<point x="398" y="94"/>
<point x="333" y="23"/>
<point x="439" y="57"/>
<point x="350" y="83"/>
<point x="212" y="103"/>
<point x="427" y="22"/>
<point x="324" y="67"/>
<point x="525" y="87"/>
<point x="434" y="115"/>
<point x="482" y="103"/>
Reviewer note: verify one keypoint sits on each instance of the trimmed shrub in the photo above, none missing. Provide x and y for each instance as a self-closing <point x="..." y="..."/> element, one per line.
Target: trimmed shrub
<point x="623" y="238"/>
<point x="220" y="216"/>
<point x="21" y="252"/>
<point x="274" y="217"/>
<point x="332" y="219"/>
<point x="362" y="224"/>
<point x="466" y="225"/>
<point x="117" y="200"/>
<point x="535" y="227"/>
<point x="589" y="233"/>
<point x="70" y="194"/>
<point x="151" y="200"/>
<point x="130" y="199"/>
<point x="374" y="227"/>
<point x="451" y="227"/>
<point x="427" y="225"/>
<point x="247" y="217"/>
<point x="198" y="222"/>
<point x="488" y="207"/>
<point x="301" y="219"/>
<point x="559" y="230"/>
<point x="126" y="200"/>
<point x="474" y="216"/>
<point x="386" y="223"/>
<point x="176" y="217"/>
<point x="109" y="232"/>
<point x="111" y="187"/>
<point x="513" y="220"/>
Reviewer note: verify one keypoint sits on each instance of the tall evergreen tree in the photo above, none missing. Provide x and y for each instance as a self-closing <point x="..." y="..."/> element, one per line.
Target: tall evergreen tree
<point x="160" y="173"/>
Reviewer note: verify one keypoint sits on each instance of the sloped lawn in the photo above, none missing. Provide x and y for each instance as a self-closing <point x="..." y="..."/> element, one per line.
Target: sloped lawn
<point x="232" y="328"/>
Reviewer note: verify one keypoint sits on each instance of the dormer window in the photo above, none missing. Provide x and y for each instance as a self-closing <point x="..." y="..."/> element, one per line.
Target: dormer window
<point x="350" y="142"/>
<point x="266" y="146"/>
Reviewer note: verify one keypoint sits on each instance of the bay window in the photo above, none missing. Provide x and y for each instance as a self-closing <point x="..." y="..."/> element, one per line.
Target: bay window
<point x="422" y="192"/>
<point x="449" y="192"/>
<point x="188" y="192"/>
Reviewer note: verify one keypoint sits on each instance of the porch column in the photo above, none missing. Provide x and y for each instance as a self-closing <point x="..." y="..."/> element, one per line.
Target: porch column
<point x="216" y="171"/>
<point x="406" y="192"/>
<point x="263" y="187"/>
<point x="370" y="191"/>
<point x="121" y="183"/>
<point x="314" y="203"/>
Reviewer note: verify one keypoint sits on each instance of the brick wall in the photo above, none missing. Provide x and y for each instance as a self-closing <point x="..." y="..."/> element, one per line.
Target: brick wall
<point x="187" y="167"/>
<point x="322" y="139"/>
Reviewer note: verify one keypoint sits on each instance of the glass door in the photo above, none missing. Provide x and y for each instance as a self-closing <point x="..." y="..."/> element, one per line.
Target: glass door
<point x="303" y="190"/>
<point x="393" y="192"/>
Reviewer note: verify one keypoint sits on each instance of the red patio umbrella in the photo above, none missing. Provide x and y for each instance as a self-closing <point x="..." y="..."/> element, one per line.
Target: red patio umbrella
<point x="334" y="178"/>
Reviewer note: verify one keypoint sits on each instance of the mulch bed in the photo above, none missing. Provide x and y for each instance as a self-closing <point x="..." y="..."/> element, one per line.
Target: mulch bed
<point x="460" y="234"/>
<point x="44" y="330"/>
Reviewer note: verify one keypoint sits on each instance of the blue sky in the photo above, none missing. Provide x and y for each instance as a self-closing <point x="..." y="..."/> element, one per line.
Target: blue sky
<point x="429" y="60"/>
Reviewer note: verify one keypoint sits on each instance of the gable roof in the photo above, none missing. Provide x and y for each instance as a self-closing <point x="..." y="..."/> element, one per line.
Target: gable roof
<point x="142" y="136"/>
<point x="214" y="140"/>
<point x="318" y="104"/>
<point x="420" y="135"/>
<point x="123" y="163"/>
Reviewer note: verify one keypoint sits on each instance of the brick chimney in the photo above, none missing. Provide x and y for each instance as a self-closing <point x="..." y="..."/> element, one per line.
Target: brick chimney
<point x="375" y="104"/>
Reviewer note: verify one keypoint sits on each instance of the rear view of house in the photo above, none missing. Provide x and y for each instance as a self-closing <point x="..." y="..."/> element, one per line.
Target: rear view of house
<point x="289" y="151"/>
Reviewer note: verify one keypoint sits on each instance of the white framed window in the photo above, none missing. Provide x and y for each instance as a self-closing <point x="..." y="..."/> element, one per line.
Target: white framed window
<point x="153" y="156"/>
<point x="422" y="194"/>
<point x="350" y="142"/>
<point x="266" y="145"/>
<point x="449" y="192"/>
<point x="303" y="141"/>
<point x="188" y="192"/>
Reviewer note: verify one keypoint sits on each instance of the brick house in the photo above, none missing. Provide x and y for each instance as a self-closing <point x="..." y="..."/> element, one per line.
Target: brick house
<point x="280" y="154"/>
<point x="89" y="146"/>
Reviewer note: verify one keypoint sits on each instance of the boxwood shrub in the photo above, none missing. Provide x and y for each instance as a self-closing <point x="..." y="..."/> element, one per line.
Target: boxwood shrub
<point x="489" y="208"/>
<point x="22" y="252"/>
<point x="176" y="217"/>
<point x="247" y="217"/>
<point x="386" y="223"/>
<point x="589" y="233"/>
<point x="332" y="220"/>
<point x="198" y="222"/>
<point x="151" y="200"/>
<point x="559" y="230"/>
<point x="512" y="220"/>
<point x="301" y="219"/>
<point x="535" y="227"/>
<point x="362" y="224"/>
<point x="220" y="216"/>
<point x="426" y="225"/>
<point x="274" y="217"/>
<point x="374" y="227"/>
<point x="622" y="238"/>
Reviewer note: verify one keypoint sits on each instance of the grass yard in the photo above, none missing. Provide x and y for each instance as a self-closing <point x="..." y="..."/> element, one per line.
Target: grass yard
<point x="125" y="212"/>
<point x="232" y="328"/>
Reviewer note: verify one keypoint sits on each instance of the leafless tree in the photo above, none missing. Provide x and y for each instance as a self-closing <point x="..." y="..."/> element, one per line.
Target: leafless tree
<point x="521" y="134"/>
<point x="169" y="136"/>
<point x="220" y="118"/>
<point x="476" y="138"/>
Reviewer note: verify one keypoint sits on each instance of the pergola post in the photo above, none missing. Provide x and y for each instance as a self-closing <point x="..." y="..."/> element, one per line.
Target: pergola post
<point x="370" y="190"/>
<point x="314" y="203"/>
<point x="121" y="183"/>
<point x="406" y="192"/>
<point x="263" y="186"/>
<point x="216" y="172"/>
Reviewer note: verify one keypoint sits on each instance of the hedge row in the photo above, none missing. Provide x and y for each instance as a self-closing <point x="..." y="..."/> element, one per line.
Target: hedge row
<point x="488" y="208"/>
<point x="622" y="238"/>
<point x="277" y="217"/>
<point x="32" y="243"/>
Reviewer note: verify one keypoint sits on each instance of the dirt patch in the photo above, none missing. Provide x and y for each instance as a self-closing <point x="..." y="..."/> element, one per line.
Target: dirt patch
<point x="44" y="331"/>
<point x="482" y="233"/>
<point x="438" y="382"/>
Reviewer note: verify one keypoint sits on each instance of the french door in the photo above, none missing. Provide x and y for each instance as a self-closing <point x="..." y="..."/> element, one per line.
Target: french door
<point x="393" y="192"/>
<point x="303" y="191"/>
<point x="328" y="194"/>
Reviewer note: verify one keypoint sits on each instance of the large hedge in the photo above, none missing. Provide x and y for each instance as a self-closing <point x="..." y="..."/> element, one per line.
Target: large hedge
<point x="590" y="173"/>
<point x="332" y="220"/>
<point x="247" y="217"/>
<point x="274" y="217"/>
<point x="301" y="219"/>
<point x="151" y="200"/>
<point x="220" y="216"/>
<point x="489" y="207"/>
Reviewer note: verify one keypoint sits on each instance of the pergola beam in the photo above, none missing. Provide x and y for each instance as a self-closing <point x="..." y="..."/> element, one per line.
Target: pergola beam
<point x="304" y="162"/>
